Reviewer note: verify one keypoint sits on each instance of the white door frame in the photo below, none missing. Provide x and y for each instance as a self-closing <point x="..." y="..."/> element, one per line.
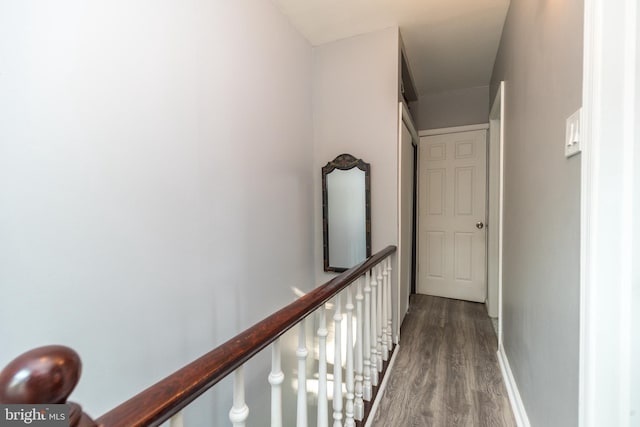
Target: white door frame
<point x="404" y="116"/>
<point x="609" y="234"/>
<point x="454" y="129"/>
<point x="494" y="231"/>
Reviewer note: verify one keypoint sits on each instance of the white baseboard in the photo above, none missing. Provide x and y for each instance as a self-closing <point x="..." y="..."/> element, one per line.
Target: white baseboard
<point x="512" y="390"/>
<point x="383" y="385"/>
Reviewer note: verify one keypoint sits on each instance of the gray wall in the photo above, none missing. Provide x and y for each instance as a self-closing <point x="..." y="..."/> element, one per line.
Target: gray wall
<point x="459" y="107"/>
<point x="155" y="184"/>
<point x="355" y="111"/>
<point x="540" y="59"/>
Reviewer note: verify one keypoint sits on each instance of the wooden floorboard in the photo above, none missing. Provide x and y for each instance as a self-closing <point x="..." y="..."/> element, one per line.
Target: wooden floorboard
<point x="446" y="372"/>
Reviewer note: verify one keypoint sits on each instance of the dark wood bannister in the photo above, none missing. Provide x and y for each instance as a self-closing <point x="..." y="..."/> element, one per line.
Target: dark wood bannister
<point x="52" y="372"/>
<point x="44" y="375"/>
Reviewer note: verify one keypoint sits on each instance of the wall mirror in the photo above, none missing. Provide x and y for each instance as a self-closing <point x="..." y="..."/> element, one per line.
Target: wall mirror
<point x="346" y="212"/>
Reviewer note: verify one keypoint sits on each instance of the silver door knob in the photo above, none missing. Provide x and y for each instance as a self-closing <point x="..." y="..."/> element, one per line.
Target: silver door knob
<point x="479" y="225"/>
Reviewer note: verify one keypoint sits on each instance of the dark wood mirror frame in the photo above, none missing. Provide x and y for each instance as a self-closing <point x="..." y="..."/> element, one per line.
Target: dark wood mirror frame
<point x="345" y="162"/>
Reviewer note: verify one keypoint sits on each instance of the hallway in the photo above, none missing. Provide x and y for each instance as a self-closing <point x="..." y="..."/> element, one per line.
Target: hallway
<point x="446" y="372"/>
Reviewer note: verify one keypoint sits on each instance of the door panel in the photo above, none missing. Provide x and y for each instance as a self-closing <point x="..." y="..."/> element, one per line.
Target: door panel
<point x="452" y="199"/>
<point x="435" y="254"/>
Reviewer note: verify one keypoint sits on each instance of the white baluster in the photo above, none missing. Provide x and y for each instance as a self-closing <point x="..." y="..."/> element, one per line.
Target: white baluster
<point x="384" y="307"/>
<point x="359" y="404"/>
<point x="349" y="408"/>
<point x="366" y="339"/>
<point x="240" y="411"/>
<point x="379" y="320"/>
<point x="302" y="353"/>
<point x="276" y="377"/>
<point x="322" y="369"/>
<point x="337" y="365"/>
<point x="389" y="307"/>
<point x="374" y="325"/>
<point x="177" y="420"/>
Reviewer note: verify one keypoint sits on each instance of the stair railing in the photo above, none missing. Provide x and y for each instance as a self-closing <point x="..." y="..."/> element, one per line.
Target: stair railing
<point x="48" y="375"/>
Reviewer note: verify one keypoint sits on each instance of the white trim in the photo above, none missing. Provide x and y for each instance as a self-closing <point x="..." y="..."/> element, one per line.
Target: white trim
<point x="417" y="213"/>
<point x="399" y="253"/>
<point x="517" y="406"/>
<point x="607" y="247"/>
<point x="590" y="49"/>
<point x="455" y="129"/>
<point x="497" y="113"/>
<point x="501" y="214"/>
<point x="383" y="386"/>
<point x="408" y="120"/>
<point x="404" y="116"/>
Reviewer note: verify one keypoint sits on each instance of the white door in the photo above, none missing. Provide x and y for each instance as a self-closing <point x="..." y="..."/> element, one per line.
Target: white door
<point x="452" y="200"/>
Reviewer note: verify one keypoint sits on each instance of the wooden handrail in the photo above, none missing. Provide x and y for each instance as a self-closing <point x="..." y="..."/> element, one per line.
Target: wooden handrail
<point x="44" y="375"/>
<point x="55" y="370"/>
<point x="167" y="397"/>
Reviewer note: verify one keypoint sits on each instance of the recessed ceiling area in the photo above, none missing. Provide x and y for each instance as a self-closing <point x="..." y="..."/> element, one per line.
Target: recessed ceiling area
<point x="450" y="44"/>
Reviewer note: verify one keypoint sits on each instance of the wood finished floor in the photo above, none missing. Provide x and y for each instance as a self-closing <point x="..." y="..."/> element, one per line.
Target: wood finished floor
<point x="446" y="372"/>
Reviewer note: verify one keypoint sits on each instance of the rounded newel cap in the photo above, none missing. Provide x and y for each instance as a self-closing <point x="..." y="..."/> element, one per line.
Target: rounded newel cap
<point x="42" y="375"/>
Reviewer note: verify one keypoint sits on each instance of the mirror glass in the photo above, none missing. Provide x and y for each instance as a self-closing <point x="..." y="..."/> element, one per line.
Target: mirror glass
<point x="346" y="212"/>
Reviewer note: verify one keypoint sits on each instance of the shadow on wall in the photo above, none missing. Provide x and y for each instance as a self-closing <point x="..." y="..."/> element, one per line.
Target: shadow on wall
<point x="451" y="108"/>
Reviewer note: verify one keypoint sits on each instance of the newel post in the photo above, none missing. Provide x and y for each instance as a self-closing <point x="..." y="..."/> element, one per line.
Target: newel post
<point x="45" y="375"/>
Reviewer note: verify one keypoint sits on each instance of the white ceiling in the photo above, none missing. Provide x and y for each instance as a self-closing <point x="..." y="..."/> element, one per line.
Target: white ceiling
<point x="450" y="44"/>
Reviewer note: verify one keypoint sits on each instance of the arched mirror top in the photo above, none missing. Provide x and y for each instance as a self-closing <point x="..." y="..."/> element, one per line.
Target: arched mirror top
<point x="345" y="162"/>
